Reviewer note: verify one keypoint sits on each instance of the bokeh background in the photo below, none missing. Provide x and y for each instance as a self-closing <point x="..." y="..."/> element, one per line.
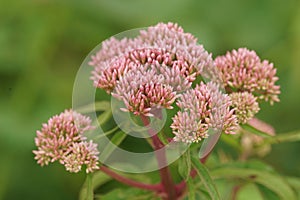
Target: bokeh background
<point x="43" y="43"/>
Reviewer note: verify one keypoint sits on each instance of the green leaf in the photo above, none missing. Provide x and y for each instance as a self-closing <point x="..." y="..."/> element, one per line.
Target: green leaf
<point x="224" y="186"/>
<point x="249" y="192"/>
<point x="125" y="194"/>
<point x="270" y="180"/>
<point x="192" y="190"/>
<point x="116" y="140"/>
<point x="294" y="182"/>
<point x="104" y="117"/>
<point x="267" y="193"/>
<point x="205" y="178"/>
<point x="202" y="195"/>
<point x="106" y="133"/>
<point x="96" y="106"/>
<point x="184" y="165"/>
<point x="255" y="131"/>
<point x="283" y="137"/>
<point x="86" y="192"/>
<point x="251" y="164"/>
<point x="100" y="178"/>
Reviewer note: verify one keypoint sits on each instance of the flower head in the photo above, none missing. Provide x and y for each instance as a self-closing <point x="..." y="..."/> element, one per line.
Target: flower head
<point x="245" y="106"/>
<point x="81" y="154"/>
<point x="160" y="64"/>
<point x="173" y="39"/>
<point x="164" y="44"/>
<point x="242" y="70"/>
<point x="60" y="134"/>
<point x="175" y="72"/>
<point x="188" y="128"/>
<point x="143" y="90"/>
<point x="112" y="48"/>
<point x="202" y="108"/>
<point x="151" y="69"/>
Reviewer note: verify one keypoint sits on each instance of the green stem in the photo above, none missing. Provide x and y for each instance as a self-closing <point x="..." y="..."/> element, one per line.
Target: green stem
<point x="87" y="192"/>
<point x="293" y="136"/>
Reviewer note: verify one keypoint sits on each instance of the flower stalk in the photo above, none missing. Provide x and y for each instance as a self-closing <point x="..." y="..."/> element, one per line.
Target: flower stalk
<point x="152" y="187"/>
<point x="166" y="178"/>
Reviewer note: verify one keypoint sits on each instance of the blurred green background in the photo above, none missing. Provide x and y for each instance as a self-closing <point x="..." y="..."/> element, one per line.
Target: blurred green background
<point x="43" y="43"/>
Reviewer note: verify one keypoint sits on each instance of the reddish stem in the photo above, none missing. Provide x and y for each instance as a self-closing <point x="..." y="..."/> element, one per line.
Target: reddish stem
<point x="153" y="187"/>
<point x="166" y="179"/>
<point x="167" y="185"/>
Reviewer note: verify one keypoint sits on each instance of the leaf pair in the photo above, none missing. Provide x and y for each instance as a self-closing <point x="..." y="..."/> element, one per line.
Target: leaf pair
<point x="185" y="164"/>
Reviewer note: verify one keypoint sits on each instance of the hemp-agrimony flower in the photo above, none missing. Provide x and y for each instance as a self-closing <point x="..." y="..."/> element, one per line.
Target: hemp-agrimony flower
<point x="59" y="138"/>
<point x="178" y="53"/>
<point x="153" y="69"/>
<point x="203" y="108"/>
<point x="144" y="90"/>
<point x="81" y="154"/>
<point x="175" y="72"/>
<point x="150" y="70"/>
<point x="183" y="45"/>
<point x="245" y="105"/>
<point x="242" y="70"/>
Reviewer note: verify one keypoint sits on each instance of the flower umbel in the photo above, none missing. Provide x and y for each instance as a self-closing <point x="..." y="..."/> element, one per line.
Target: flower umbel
<point x="161" y="64"/>
<point x="81" y="154"/>
<point x="151" y="69"/>
<point x="176" y="49"/>
<point x="242" y="70"/>
<point x="58" y="139"/>
<point x="203" y="108"/>
<point x="245" y="106"/>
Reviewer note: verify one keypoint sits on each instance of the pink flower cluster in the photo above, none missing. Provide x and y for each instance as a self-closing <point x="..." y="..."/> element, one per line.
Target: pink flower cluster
<point x="62" y="139"/>
<point x="248" y="80"/>
<point x="203" y="108"/>
<point x="157" y="69"/>
<point x="149" y="70"/>
<point x="245" y="105"/>
<point x="242" y="70"/>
